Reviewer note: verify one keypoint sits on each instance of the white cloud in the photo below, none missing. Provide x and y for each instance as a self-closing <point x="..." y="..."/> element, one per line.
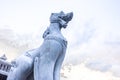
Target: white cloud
<point x="93" y="34"/>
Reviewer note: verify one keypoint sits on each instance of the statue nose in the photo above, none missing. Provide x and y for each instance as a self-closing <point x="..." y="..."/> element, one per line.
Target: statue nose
<point x="71" y="13"/>
<point x="69" y="16"/>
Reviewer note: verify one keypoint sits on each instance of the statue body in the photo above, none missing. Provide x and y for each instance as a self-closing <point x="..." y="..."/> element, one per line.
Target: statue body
<point x="46" y="60"/>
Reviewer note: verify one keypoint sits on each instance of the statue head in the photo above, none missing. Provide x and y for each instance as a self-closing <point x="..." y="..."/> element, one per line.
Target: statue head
<point x="61" y="18"/>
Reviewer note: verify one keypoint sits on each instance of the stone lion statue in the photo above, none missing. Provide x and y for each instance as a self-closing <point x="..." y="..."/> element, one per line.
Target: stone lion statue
<point x="44" y="62"/>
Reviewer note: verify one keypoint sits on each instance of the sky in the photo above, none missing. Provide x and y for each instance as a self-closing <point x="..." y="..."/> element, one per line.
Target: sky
<point x="93" y="34"/>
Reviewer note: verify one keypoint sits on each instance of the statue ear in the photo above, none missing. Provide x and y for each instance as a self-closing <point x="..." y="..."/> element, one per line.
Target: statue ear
<point x="61" y="12"/>
<point x="52" y="13"/>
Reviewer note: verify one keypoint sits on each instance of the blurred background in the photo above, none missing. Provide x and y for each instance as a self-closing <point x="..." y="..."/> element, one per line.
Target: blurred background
<point x="93" y="35"/>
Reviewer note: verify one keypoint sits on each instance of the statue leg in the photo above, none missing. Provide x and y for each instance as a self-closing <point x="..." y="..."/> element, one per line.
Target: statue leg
<point x="36" y="68"/>
<point x="58" y="65"/>
<point x="21" y="69"/>
<point x="45" y="68"/>
<point x="45" y="64"/>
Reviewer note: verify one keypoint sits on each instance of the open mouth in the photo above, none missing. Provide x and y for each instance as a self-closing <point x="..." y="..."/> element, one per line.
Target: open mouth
<point x="63" y="23"/>
<point x="64" y="19"/>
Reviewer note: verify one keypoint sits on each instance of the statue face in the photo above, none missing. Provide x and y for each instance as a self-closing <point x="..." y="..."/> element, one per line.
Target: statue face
<point x="61" y="18"/>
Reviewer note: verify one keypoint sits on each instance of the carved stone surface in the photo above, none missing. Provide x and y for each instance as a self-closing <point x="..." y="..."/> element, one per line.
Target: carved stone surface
<point x="46" y="60"/>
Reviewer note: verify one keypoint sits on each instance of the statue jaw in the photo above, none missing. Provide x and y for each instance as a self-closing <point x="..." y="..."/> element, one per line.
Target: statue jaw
<point x="63" y="23"/>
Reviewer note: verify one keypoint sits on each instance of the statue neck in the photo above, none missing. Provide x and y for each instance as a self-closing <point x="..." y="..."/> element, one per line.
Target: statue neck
<point x="55" y="27"/>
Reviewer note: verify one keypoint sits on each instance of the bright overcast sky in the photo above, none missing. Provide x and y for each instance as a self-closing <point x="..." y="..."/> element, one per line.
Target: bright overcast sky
<point x="93" y="34"/>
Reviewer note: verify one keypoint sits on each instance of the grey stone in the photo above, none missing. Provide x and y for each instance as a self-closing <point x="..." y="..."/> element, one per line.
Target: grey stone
<point x="44" y="62"/>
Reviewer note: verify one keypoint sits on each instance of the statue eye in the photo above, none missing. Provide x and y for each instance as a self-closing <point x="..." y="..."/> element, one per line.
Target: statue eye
<point x="48" y="32"/>
<point x="59" y="16"/>
<point x="52" y="13"/>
